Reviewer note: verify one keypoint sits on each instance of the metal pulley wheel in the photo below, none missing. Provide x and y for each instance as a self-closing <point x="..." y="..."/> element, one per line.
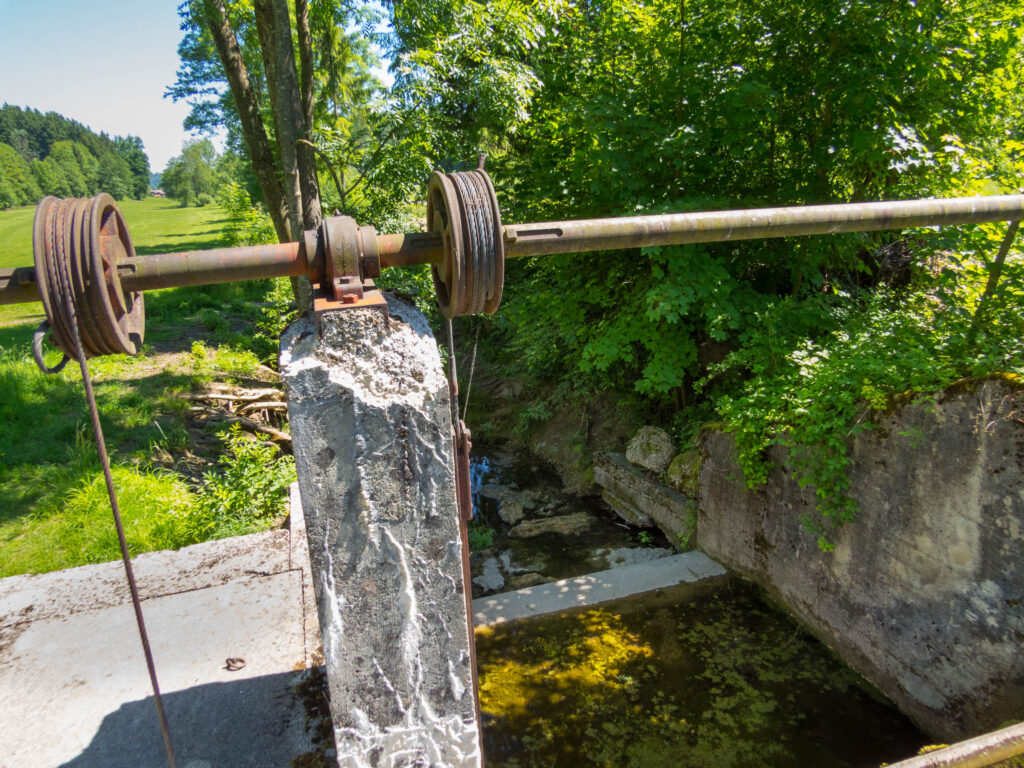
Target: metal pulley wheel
<point x="77" y="245"/>
<point x="463" y="209"/>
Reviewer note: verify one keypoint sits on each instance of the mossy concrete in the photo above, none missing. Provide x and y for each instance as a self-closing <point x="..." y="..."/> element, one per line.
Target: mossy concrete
<point x="924" y="592"/>
<point x="638" y="497"/>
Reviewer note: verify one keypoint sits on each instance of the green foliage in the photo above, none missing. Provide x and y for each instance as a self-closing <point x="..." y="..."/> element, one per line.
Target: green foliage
<point x="730" y="105"/>
<point x="811" y="393"/>
<point x="21" y="186"/>
<point x="247" y="223"/>
<point x="247" y="493"/>
<point x="95" y="163"/>
<point x="190" y="176"/>
<point x="537" y="412"/>
<point x="479" y="535"/>
<point x="277" y="312"/>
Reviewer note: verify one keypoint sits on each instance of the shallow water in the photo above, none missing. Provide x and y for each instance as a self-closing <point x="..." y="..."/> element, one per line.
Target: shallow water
<point x="700" y="676"/>
<point x="553" y="556"/>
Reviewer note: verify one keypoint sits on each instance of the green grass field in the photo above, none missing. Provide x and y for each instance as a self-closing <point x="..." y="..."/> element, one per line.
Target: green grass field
<point x="53" y="508"/>
<point x="156" y="226"/>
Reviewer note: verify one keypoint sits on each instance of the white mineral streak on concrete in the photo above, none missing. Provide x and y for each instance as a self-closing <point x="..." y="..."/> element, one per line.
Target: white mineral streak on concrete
<point x="372" y="434"/>
<point x="595" y="588"/>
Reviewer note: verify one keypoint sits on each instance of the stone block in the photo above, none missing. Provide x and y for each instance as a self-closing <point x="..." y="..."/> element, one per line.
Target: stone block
<point x="369" y="411"/>
<point x="631" y="492"/>
<point x="651" y="448"/>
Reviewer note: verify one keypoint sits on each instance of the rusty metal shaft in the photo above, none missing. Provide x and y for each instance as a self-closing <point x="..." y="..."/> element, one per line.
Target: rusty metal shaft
<point x="544" y="238"/>
<point x="753" y="223"/>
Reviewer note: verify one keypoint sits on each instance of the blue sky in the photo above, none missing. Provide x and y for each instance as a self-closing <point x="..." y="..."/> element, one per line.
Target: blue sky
<point x="104" y="63"/>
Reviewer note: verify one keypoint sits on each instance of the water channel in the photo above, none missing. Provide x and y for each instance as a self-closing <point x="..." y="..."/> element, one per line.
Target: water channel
<point x="706" y="675"/>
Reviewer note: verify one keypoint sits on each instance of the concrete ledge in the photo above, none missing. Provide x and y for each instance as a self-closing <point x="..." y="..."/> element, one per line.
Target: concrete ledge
<point x="74" y="690"/>
<point x="595" y="588"/>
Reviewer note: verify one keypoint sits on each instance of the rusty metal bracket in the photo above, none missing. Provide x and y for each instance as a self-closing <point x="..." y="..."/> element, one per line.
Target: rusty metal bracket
<point x="348" y="260"/>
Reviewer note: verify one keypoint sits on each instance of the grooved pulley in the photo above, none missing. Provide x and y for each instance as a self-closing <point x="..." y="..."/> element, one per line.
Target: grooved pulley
<point x="463" y="209"/>
<point x="79" y="242"/>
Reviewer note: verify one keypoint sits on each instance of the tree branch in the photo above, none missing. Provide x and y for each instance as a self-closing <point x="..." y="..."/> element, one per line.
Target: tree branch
<point x="330" y="166"/>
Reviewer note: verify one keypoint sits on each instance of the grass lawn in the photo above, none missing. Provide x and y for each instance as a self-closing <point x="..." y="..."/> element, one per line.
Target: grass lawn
<point x="53" y="508"/>
<point x="157" y="225"/>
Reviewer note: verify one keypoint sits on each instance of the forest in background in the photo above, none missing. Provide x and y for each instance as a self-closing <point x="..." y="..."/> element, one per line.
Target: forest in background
<point x="48" y="154"/>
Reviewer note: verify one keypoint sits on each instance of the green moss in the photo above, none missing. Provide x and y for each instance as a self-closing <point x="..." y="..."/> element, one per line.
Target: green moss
<point x="705" y="675"/>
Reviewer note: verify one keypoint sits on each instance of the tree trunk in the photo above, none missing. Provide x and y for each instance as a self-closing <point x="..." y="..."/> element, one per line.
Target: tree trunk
<point x="311" y="208"/>
<point x="276" y="56"/>
<point x="263" y="163"/>
<point x="274" y="30"/>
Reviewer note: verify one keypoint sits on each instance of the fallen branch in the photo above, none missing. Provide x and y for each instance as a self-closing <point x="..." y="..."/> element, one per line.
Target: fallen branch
<point x="255" y="426"/>
<point x="247" y="423"/>
<point x="264" y="405"/>
<point x="245" y="395"/>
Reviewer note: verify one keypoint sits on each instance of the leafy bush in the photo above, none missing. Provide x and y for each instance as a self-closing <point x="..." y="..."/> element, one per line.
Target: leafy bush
<point x="275" y="314"/>
<point x="810" y="393"/>
<point x="247" y="493"/>
<point x="479" y="536"/>
<point x="248" y="222"/>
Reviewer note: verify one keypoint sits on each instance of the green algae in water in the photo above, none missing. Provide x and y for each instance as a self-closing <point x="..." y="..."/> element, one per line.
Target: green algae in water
<point x="699" y="676"/>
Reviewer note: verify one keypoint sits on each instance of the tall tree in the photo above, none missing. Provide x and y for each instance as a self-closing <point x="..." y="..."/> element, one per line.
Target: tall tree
<point x="278" y="175"/>
<point x="214" y="17"/>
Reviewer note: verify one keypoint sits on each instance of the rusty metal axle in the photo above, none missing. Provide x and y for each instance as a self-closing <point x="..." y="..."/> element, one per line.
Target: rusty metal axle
<point x="220" y="265"/>
<point x="466" y="251"/>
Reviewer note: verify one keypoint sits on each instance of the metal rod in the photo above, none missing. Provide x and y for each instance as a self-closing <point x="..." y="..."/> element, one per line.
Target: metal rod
<point x="984" y="750"/>
<point x="220" y="265"/>
<point x="407" y="250"/>
<point x="716" y="226"/>
<point x="224" y="265"/>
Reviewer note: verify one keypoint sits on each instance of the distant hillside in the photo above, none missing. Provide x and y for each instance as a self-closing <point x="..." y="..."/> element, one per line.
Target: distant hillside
<point x="48" y="154"/>
<point x="154" y="181"/>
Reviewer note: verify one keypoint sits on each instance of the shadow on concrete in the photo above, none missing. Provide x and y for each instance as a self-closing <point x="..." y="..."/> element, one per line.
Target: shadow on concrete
<point x="254" y="723"/>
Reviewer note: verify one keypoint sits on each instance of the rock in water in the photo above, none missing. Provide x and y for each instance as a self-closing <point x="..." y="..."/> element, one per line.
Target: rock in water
<point x="511" y="512"/>
<point x="491" y="579"/>
<point x="651" y="448"/>
<point x="567" y="525"/>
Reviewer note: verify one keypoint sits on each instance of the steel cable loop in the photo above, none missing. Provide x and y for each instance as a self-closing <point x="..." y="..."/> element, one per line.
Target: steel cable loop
<point x="78" y="260"/>
<point x="484" y="250"/>
<point x="488" y="239"/>
<point x="497" y="281"/>
<point x="38" y="337"/>
<point x="474" y="255"/>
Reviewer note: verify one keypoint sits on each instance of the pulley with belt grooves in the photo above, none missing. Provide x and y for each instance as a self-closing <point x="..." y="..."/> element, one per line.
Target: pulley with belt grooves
<point x="86" y="239"/>
<point x="463" y="209"/>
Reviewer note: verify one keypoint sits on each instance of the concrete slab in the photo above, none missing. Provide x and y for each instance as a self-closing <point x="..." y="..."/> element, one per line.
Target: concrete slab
<point x="595" y="588"/>
<point x="74" y="690"/>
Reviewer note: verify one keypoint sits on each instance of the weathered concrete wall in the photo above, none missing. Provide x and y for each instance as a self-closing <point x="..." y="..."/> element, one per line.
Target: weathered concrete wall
<point x="924" y="593"/>
<point x="369" y="412"/>
<point x="639" y="499"/>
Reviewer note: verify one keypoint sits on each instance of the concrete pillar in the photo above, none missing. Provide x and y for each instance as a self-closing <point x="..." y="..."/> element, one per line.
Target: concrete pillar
<point x="371" y="427"/>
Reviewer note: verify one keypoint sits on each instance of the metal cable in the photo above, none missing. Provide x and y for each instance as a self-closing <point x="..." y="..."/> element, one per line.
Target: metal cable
<point x="66" y="300"/>
<point x="37" y="350"/>
<point x="478" y="227"/>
